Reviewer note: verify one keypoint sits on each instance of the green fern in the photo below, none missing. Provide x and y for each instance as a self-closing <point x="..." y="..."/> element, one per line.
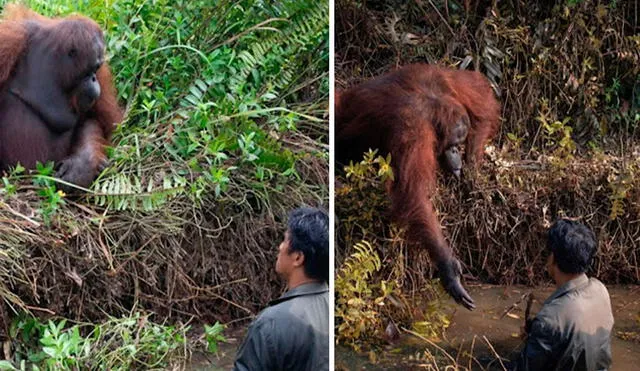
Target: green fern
<point x="124" y="192"/>
<point x="197" y="92"/>
<point x="359" y="266"/>
<point x="358" y="299"/>
<point x="283" y="49"/>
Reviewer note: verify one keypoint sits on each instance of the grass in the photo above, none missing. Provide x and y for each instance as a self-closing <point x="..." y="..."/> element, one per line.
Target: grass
<point x="226" y="130"/>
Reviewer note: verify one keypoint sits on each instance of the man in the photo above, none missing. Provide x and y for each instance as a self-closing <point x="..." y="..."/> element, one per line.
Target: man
<point x="572" y="331"/>
<point x="293" y="332"/>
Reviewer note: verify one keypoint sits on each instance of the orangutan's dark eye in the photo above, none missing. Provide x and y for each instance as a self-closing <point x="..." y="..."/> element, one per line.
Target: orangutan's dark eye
<point x="73" y="53"/>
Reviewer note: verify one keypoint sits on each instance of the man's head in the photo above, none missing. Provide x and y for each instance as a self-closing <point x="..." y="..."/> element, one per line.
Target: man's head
<point x="572" y="246"/>
<point x="304" y="253"/>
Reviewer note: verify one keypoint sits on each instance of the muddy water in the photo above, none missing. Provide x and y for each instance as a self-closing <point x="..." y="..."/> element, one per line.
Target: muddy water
<point x="493" y="328"/>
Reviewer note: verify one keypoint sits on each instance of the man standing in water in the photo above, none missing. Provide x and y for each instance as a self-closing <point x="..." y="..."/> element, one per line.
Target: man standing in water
<point x="572" y="331"/>
<point x="293" y="332"/>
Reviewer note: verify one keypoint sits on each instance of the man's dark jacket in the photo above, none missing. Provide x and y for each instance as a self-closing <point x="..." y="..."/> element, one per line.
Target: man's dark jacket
<point x="572" y="331"/>
<point x="291" y="334"/>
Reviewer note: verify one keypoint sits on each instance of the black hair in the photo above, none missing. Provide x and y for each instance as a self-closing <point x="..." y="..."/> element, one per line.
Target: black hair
<point x="309" y="233"/>
<point x="573" y="245"/>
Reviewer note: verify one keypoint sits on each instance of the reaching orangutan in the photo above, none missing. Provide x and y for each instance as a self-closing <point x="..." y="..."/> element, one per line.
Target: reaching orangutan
<point x="422" y="115"/>
<point x="57" y="100"/>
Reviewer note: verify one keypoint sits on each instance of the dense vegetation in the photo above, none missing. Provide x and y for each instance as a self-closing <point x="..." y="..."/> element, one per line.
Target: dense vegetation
<point x="568" y="145"/>
<point x="226" y="130"/>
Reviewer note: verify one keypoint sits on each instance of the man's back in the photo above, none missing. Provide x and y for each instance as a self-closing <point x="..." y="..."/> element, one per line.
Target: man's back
<point x="291" y="334"/>
<point x="573" y="329"/>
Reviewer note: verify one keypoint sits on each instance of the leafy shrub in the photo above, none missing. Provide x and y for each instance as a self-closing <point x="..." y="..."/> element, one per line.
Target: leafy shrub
<point x="370" y="289"/>
<point x="118" y="344"/>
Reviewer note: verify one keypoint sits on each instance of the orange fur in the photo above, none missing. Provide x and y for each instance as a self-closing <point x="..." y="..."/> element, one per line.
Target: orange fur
<point x="409" y="113"/>
<point x="92" y="134"/>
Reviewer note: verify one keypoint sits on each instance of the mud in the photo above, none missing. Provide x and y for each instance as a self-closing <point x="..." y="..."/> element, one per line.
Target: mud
<point x="474" y="339"/>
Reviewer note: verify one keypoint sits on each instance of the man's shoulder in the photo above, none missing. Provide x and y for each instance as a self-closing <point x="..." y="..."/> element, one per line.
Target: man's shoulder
<point x="593" y="293"/>
<point x="285" y="309"/>
<point x="572" y="306"/>
<point x="273" y="313"/>
<point x="290" y="319"/>
<point x="598" y="286"/>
